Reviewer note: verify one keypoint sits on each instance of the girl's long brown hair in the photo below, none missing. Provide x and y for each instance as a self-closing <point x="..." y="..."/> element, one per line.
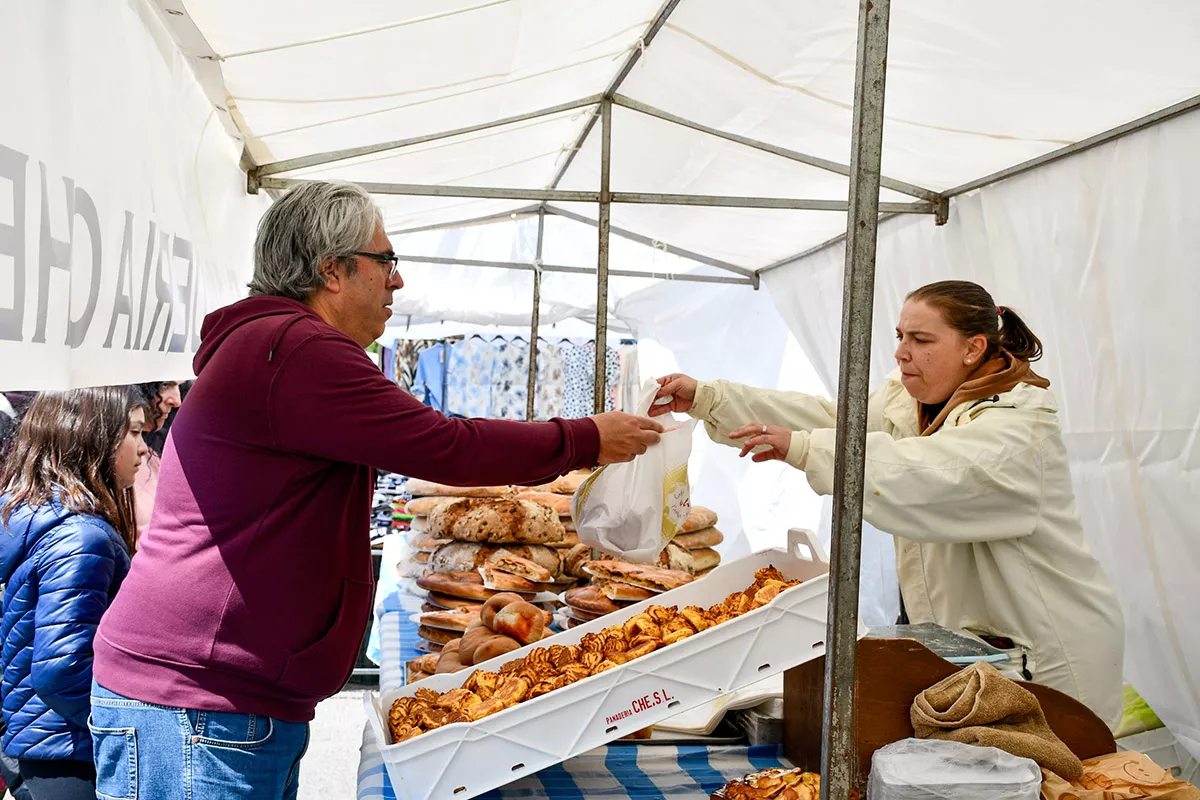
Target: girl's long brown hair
<point x="66" y="450"/>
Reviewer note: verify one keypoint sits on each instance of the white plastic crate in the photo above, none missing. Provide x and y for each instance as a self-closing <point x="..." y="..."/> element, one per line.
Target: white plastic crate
<point x="463" y="760"/>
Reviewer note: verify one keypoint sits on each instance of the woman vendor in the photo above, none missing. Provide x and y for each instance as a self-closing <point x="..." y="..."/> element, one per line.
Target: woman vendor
<point x="966" y="467"/>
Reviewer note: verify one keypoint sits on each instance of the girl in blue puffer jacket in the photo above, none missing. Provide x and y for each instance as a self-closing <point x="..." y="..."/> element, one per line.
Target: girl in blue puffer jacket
<point x="67" y="531"/>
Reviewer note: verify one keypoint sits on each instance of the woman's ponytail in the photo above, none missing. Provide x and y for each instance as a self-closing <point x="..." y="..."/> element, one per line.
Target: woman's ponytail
<point x="1016" y="338"/>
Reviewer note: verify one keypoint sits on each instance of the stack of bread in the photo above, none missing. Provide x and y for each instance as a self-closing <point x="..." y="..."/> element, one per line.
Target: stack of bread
<point x="505" y="622"/>
<point x="615" y="584"/>
<point x="483" y="541"/>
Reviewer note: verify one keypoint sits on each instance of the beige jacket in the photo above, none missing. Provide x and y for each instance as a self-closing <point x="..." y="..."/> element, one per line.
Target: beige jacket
<point x="987" y="536"/>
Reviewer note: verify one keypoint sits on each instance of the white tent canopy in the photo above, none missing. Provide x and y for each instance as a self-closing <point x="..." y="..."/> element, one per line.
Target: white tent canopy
<point x="122" y="105"/>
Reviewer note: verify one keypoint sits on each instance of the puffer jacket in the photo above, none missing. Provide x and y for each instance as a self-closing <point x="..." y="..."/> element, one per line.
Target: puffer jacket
<point x="988" y="539"/>
<point x="60" y="570"/>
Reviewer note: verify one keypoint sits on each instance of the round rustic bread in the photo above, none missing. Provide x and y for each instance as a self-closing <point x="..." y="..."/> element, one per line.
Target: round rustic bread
<point x="698" y="519"/>
<point x="466" y="585"/>
<point x="495" y="521"/>
<point x="470" y="556"/>
<point x="709" y="537"/>
<point x="591" y="600"/>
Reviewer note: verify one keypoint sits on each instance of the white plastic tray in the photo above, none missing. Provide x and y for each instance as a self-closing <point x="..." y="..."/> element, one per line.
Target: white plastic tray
<point x="463" y="760"/>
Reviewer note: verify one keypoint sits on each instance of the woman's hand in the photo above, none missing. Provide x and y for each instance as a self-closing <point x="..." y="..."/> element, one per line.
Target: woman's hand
<point x="682" y="391"/>
<point x="777" y="438"/>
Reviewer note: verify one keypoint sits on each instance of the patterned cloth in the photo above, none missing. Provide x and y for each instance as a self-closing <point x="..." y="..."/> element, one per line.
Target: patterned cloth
<point x="579" y="379"/>
<point x="549" y="398"/>
<point x="407" y="353"/>
<point x="469" y="377"/>
<point x="510" y="380"/>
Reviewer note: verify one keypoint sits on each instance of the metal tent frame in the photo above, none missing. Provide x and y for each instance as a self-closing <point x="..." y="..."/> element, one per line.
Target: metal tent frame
<point x="864" y="212"/>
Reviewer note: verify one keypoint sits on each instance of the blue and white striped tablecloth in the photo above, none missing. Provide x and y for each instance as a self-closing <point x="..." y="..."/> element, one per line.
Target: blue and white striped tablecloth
<point x="618" y="772"/>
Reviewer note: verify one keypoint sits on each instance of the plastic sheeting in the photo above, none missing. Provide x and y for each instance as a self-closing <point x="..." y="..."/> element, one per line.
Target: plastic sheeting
<point x="1098" y="254"/>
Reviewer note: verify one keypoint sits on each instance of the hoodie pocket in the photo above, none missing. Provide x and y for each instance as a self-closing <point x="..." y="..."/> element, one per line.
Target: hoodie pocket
<point x="322" y="668"/>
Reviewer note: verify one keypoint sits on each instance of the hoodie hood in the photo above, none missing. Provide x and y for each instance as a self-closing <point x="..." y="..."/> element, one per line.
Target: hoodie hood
<point x="25" y="527"/>
<point x="221" y="323"/>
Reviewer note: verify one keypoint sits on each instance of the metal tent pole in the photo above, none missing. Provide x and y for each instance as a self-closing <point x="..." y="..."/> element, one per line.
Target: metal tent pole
<point x="537" y="316"/>
<point x="838" y="752"/>
<point x="602" y="256"/>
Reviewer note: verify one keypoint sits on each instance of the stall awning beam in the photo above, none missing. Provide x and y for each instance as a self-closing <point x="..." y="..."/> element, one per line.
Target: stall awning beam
<point x="682" y="277"/>
<point x="317" y="159"/>
<point x="767" y="147"/>
<point x="635" y="198"/>
<point x="656" y="243"/>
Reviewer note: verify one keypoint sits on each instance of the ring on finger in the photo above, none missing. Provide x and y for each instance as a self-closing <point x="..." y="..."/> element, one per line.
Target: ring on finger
<point x="764" y="430"/>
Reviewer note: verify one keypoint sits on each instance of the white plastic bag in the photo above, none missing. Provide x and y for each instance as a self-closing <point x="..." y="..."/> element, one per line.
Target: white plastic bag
<point x="931" y="769"/>
<point x="633" y="510"/>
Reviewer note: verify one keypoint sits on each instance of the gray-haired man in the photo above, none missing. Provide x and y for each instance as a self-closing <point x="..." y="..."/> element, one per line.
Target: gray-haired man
<point x="252" y="587"/>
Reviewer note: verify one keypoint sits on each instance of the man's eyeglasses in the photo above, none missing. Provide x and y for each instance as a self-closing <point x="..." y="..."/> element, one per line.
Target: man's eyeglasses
<point x="391" y="259"/>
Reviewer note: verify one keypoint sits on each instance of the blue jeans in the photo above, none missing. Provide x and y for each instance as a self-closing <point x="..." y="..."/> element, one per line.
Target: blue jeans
<point x="151" y="752"/>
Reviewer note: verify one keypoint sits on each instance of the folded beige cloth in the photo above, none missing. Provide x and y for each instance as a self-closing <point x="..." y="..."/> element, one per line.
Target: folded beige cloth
<point x="979" y="706"/>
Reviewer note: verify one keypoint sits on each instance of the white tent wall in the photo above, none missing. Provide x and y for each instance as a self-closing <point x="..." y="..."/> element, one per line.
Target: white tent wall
<point x="1098" y="253"/>
<point x="106" y="143"/>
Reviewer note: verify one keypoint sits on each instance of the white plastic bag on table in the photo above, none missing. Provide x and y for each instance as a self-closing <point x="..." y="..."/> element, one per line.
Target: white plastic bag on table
<point x="633" y="510"/>
<point x="930" y="769"/>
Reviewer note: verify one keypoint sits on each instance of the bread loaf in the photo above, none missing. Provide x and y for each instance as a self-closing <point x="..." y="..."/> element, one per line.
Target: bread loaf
<point x="470" y="556"/>
<point x="623" y="592"/>
<point x="513" y="564"/>
<point x="471" y="641"/>
<point x="488" y="613"/>
<point x="447" y="601"/>
<point x="419" y="488"/>
<point x="463" y="585"/>
<point x="522" y="621"/>
<point x="505" y="582"/>
<point x="495" y="521"/>
<point x="698" y="519"/>
<point x="647" y="576"/>
<point x="709" y="537"/>
<point x="421" y="506"/>
<point x="437" y="635"/>
<point x="424" y="542"/>
<point x="495" y="646"/>
<point x="567" y="484"/>
<point x="591" y="600"/>
<point x="559" y="503"/>
<point x="448" y="620"/>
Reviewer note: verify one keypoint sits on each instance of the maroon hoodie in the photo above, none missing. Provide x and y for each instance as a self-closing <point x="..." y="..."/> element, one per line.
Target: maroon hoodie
<point x="251" y="589"/>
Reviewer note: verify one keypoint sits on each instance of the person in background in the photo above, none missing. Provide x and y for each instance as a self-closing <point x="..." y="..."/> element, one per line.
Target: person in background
<point x="252" y="588"/>
<point x="967" y="468"/>
<point x="160" y="399"/>
<point x="67" y="532"/>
